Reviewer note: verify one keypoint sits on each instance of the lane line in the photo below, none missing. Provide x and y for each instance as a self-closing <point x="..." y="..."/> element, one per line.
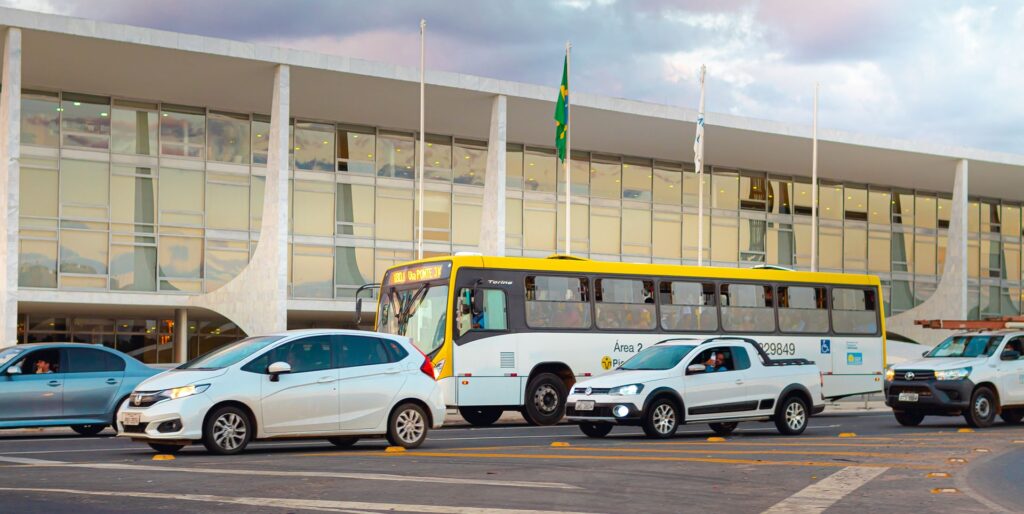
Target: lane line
<point x="286" y="503"/>
<point x="823" y="494"/>
<point x="738" y="452"/>
<point x="303" y="474"/>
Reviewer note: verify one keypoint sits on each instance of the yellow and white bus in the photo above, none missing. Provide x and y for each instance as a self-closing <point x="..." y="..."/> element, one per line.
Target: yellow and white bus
<point x="510" y="333"/>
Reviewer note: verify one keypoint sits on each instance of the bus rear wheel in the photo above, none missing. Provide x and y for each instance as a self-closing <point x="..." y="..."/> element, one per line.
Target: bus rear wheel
<point x="480" y="416"/>
<point x="545" y="400"/>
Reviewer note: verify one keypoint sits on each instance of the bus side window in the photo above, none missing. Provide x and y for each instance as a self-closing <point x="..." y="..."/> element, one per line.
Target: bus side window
<point x="492" y="317"/>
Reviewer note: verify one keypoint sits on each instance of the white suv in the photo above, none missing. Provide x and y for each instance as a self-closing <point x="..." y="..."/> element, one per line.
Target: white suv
<point x="977" y="375"/>
<point x="339" y="385"/>
<point x="720" y="381"/>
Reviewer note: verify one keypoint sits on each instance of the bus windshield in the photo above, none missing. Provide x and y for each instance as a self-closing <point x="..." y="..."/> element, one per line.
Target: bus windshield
<point x="966" y="346"/>
<point x="658" y="358"/>
<point x="418" y="313"/>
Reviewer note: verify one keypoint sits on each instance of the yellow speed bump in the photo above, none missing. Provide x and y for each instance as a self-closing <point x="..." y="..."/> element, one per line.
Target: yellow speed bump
<point x="560" y="444"/>
<point x="945" y="490"/>
<point x="982" y="450"/>
<point x="939" y="474"/>
<point x="716" y="439"/>
<point x="847" y="434"/>
<point x="163" y="456"/>
<point x="1018" y="441"/>
<point x="965" y="431"/>
<point x="394" y="449"/>
<point x="957" y="460"/>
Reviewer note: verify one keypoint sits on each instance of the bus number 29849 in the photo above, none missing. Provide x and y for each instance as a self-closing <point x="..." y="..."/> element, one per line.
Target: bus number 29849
<point x="775" y="348"/>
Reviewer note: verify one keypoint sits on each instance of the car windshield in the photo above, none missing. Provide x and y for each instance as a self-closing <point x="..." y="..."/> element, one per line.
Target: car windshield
<point x="8" y="354"/>
<point x="658" y="357"/>
<point x="966" y="346"/>
<point x="230" y="354"/>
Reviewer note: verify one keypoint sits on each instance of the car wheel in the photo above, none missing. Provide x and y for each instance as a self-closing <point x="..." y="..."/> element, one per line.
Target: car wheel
<point x="166" y="448"/>
<point x="408" y="426"/>
<point x="596" y="429"/>
<point x="227" y="431"/>
<point x="343" y="442"/>
<point x="982" y="411"/>
<point x="791" y="416"/>
<point x="723" y="428"/>
<point x="481" y="416"/>
<point x="1012" y="417"/>
<point x="545" y="400"/>
<point x="661" y="419"/>
<point x="909" y="419"/>
<point x="88" y="430"/>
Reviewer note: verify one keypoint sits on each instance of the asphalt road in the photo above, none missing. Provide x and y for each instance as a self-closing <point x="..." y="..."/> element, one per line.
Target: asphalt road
<point x="506" y="468"/>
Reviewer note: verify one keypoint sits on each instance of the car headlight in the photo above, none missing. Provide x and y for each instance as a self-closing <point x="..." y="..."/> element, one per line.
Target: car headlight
<point x="626" y="390"/>
<point x="182" y="392"/>
<point x="438" y="368"/>
<point x="890" y="374"/>
<point x="953" y="374"/>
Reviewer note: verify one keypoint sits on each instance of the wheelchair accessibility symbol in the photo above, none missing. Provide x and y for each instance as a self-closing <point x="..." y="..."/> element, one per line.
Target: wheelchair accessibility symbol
<point x="826" y="346"/>
<point x="606" y="362"/>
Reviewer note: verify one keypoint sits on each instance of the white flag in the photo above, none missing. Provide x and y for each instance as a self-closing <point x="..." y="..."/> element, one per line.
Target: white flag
<point x="698" y="148"/>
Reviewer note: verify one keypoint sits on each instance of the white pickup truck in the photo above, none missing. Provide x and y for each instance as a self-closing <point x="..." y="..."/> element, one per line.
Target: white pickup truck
<point x="977" y="375"/>
<point x="720" y="381"/>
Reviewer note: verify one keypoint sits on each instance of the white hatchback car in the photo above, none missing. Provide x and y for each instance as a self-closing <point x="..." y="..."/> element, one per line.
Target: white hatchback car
<point x="339" y="385"/>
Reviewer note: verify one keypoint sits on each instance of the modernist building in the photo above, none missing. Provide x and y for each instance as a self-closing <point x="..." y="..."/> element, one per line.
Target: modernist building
<point x="164" y="193"/>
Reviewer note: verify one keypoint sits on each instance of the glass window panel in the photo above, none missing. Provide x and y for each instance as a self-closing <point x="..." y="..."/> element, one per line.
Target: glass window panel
<point x="690" y="240"/>
<point x="227" y="206"/>
<point x="879" y="207"/>
<point x="973" y="266"/>
<point x="879" y="252"/>
<point x="437" y="212"/>
<point x="395" y="156"/>
<point x="803" y="310"/>
<point x="802" y="199"/>
<point x="989" y="218"/>
<point x="313" y="208"/>
<point x="438" y="159"/>
<point x="605" y="179"/>
<point x="925" y="212"/>
<point x="84" y="189"/>
<point x="855" y="248"/>
<point x="856" y="205"/>
<point x="903" y="208"/>
<point x="314" y="146"/>
<point x="802" y="237"/>
<point x="725" y="187"/>
<point x="37" y="263"/>
<point x="945" y="210"/>
<point x="940" y="253"/>
<point x="256" y="190"/>
<point x="313" y="272"/>
<point x="624" y="304"/>
<point x="38" y="192"/>
<point x="779" y="244"/>
<point x="354" y="206"/>
<point x="830" y="202"/>
<point x="133" y="268"/>
<point x="724" y="236"/>
<point x="688" y="306"/>
<point x="356" y="148"/>
<point x="924" y="254"/>
<point x="180" y="257"/>
<point x="394" y="214"/>
<point x="1010" y="218"/>
<point x="637" y="176"/>
<point x="557" y="302"/>
<point x="353" y="267"/>
<point x="903" y="252"/>
<point x="605" y="230"/>
<point x="514" y="166"/>
<point x="752" y="240"/>
<point x="224" y="261"/>
<point x="183" y="132"/>
<point x="747" y="308"/>
<point x="780" y="197"/>
<point x="991" y="259"/>
<point x="579" y="175"/>
<point x="580" y="228"/>
<point x="182" y="197"/>
<point x="229" y="138"/>
<point x="467" y="213"/>
<point x="133" y="131"/>
<point x="85" y="121"/>
<point x="540" y="170"/>
<point x="83" y="252"/>
<point x="973" y="222"/>
<point x="636" y="232"/>
<point x="668" y="184"/>
<point x="830" y="248"/>
<point x="854" y="311"/>
<point x="40" y="120"/>
<point x="539" y="225"/>
<point x="514" y="222"/>
<point x="134" y="197"/>
<point x="260" y="141"/>
<point x="470" y="164"/>
<point x="1011" y="250"/>
<point x="667" y="235"/>
<point x="690" y="181"/>
<point x="753" y="193"/>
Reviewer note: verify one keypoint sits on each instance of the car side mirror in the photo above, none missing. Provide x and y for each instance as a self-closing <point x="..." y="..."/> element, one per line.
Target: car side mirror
<point x="693" y="369"/>
<point x="277" y="369"/>
<point x="924" y="353"/>
<point x="359" y="310"/>
<point x="14" y="370"/>
<point x="1010" y="355"/>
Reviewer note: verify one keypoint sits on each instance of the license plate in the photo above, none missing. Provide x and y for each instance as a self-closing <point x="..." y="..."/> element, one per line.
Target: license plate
<point x="908" y="397"/>
<point x="585" y="405"/>
<point x="131" y="419"/>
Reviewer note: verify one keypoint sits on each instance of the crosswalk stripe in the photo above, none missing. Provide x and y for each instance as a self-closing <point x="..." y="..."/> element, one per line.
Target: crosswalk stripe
<point x="821" y="495"/>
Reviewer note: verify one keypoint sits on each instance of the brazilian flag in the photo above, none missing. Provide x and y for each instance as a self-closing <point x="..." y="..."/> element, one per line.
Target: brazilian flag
<point x="562" y="112"/>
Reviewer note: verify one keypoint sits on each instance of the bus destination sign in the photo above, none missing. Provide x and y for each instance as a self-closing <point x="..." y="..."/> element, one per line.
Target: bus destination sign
<point x="419" y="273"/>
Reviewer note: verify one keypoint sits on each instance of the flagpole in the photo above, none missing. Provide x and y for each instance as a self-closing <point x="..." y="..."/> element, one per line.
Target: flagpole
<point x="814" y="184"/>
<point x="699" y="165"/>
<point x="568" y="155"/>
<point x="423" y="147"/>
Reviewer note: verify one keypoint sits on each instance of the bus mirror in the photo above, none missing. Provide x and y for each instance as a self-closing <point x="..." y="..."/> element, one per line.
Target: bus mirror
<point x="478" y="302"/>
<point x="359" y="310"/>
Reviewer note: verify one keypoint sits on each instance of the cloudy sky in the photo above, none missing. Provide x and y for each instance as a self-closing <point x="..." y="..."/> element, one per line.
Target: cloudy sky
<point x="931" y="70"/>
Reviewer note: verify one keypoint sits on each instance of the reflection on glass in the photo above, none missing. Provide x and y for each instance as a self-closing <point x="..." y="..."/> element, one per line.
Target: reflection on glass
<point x="314" y="146"/>
<point x="752" y="240"/>
<point x="132" y="268"/>
<point x="354" y="210"/>
<point x="579" y="175"/>
<point x="605" y="178"/>
<point x="779" y="244"/>
<point x="134" y="197"/>
<point x="395" y="156"/>
<point x="83" y="252"/>
<point x="180" y="257"/>
<point x="37" y="263"/>
<point x="879" y="207"/>
<point x="133" y="128"/>
<point x="637" y="176"/>
<point x="356" y="148"/>
<point x="260" y="139"/>
<point x="780" y="197"/>
<point x="224" y="261"/>
<point x="470" y="163"/>
<point x="856" y="205"/>
<point x="229" y="138"/>
<point x="438" y="157"/>
<point x="668" y="184"/>
<point x="540" y="170"/>
<point x="183" y="131"/>
<point x="353" y="267"/>
<point x="313" y="271"/>
<point x="40" y="119"/>
<point x="85" y="121"/>
<point x="830" y="202"/>
<point x="514" y="166"/>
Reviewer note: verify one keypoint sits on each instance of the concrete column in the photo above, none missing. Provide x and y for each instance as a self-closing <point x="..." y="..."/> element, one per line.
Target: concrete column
<point x="492" y="222"/>
<point x="10" y="158"/>
<point x="257" y="298"/>
<point x="949" y="301"/>
<point x="180" y="335"/>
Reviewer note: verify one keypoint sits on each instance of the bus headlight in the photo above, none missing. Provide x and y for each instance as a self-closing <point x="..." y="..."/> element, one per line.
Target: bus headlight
<point x="890" y="374"/>
<point x="953" y="374"/>
<point x="626" y="390"/>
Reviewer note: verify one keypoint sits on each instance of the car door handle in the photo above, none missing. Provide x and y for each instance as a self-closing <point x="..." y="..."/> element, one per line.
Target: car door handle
<point x="324" y="380"/>
<point x="739" y="381"/>
<point x="53" y="383"/>
<point x="111" y="381"/>
<point x="392" y="371"/>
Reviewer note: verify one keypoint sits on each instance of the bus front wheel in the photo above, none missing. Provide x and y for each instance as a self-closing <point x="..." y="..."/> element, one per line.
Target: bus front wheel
<point x="545" y="400"/>
<point x="480" y="416"/>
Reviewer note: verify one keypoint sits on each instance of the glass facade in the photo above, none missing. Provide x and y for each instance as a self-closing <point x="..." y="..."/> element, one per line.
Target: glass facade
<point x="144" y="196"/>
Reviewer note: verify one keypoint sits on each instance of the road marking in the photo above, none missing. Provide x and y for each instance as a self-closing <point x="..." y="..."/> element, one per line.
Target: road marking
<point x="821" y="495"/>
<point x="285" y="503"/>
<point x="739" y="452"/>
<point x="304" y="474"/>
